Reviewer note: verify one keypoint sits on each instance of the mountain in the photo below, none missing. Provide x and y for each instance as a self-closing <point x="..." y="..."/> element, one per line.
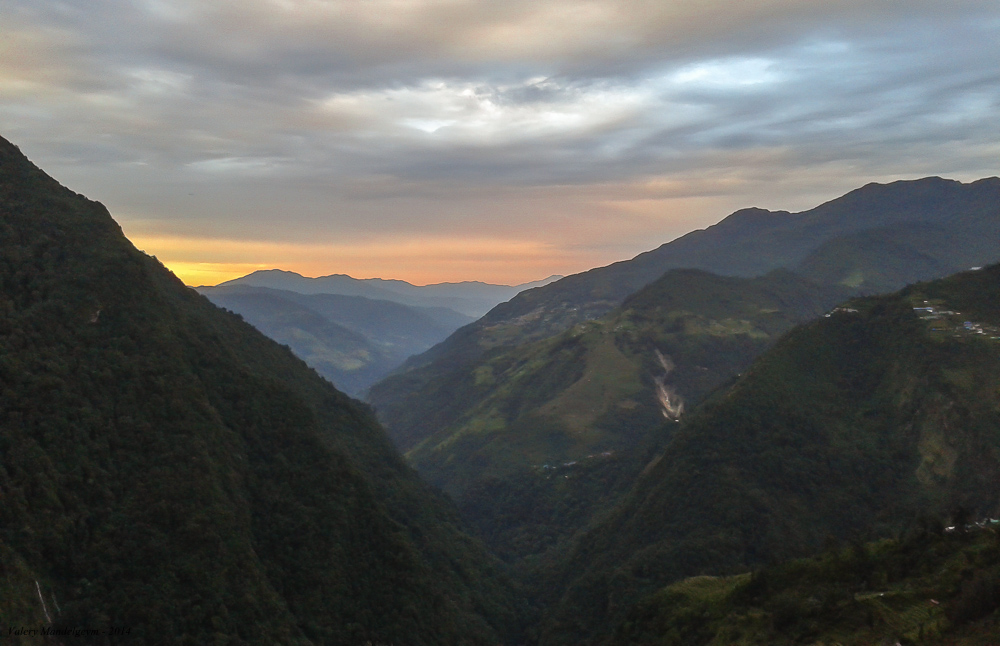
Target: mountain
<point x="855" y="424"/>
<point x="471" y="298"/>
<point x="167" y="469"/>
<point x="351" y="340"/>
<point x="874" y="239"/>
<point x="885" y="259"/>
<point x="503" y="436"/>
<point x="752" y="242"/>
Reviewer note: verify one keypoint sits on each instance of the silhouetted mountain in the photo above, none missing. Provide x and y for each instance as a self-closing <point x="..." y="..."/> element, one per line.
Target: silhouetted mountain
<point x="754" y="241"/>
<point x="471" y="298"/>
<point x="854" y="424"/>
<point x="351" y="340"/>
<point x="166" y="468"/>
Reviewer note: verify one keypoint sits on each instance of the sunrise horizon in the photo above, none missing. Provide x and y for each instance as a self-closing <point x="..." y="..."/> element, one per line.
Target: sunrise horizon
<point x="446" y="141"/>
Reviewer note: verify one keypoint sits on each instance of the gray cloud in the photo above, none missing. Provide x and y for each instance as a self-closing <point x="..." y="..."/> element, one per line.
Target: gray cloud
<point x="313" y="119"/>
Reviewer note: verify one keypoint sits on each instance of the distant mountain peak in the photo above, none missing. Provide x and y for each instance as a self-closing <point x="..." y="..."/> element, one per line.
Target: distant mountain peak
<point x="470" y="298"/>
<point x="750" y="219"/>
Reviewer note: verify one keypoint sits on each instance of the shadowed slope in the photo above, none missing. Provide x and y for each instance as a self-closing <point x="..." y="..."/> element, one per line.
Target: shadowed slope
<point x="164" y="466"/>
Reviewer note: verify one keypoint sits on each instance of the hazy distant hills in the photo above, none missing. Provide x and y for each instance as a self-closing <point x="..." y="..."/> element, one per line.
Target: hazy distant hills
<point x="470" y="298"/>
<point x="354" y="332"/>
<point x="165" y="467"/>
<point x="857" y="423"/>
<point x="351" y="340"/>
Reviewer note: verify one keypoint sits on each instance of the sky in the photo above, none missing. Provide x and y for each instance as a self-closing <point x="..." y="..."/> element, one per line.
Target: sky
<point x="502" y="141"/>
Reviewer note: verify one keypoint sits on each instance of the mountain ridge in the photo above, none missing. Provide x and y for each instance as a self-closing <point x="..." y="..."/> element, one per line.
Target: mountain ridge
<point x="856" y="422"/>
<point x="586" y="406"/>
<point x="964" y="231"/>
<point x="471" y="298"/>
<point x="351" y="340"/>
<point x="168" y="468"/>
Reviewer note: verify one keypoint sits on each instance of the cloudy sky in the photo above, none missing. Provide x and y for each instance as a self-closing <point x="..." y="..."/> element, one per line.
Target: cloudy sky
<point x="499" y="140"/>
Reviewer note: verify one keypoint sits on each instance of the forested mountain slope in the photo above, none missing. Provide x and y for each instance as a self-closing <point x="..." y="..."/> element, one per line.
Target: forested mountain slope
<point x="165" y="467"/>
<point x="527" y="441"/>
<point x="855" y="423"/>
<point x="877" y="238"/>
<point x="930" y="586"/>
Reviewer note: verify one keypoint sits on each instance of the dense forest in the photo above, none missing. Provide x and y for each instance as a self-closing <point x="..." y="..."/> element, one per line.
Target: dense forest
<point x="929" y="586"/>
<point x="166" y="468"/>
<point x="853" y="425"/>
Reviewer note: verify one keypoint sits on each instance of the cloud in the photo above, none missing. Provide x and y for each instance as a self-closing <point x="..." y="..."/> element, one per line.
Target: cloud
<point x="598" y="128"/>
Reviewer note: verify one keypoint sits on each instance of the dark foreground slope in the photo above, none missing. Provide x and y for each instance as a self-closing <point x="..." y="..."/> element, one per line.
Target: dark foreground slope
<point x="853" y="424"/>
<point x="166" y="468"/>
<point x="929" y="587"/>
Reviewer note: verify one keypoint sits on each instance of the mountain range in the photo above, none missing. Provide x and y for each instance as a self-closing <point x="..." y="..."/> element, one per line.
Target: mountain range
<point x="350" y="340"/>
<point x="552" y="379"/>
<point x="166" y="468"/>
<point x="471" y="298"/>
<point x="855" y="424"/>
<point x="874" y="239"/>
<point x="354" y="332"/>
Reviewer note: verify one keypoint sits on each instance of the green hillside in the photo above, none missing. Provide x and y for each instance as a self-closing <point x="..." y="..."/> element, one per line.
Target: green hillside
<point x="874" y="239"/>
<point x="886" y="259"/>
<point x="533" y="442"/>
<point x="166" y="468"/>
<point x="930" y="587"/>
<point x="855" y="423"/>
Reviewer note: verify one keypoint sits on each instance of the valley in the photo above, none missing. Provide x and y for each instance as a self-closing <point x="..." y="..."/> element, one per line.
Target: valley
<point x="350" y="340"/>
<point x="755" y="434"/>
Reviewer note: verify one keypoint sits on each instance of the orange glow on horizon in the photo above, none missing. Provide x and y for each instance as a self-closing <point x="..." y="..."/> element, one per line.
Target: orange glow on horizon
<point x="197" y="274"/>
<point x="206" y="261"/>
